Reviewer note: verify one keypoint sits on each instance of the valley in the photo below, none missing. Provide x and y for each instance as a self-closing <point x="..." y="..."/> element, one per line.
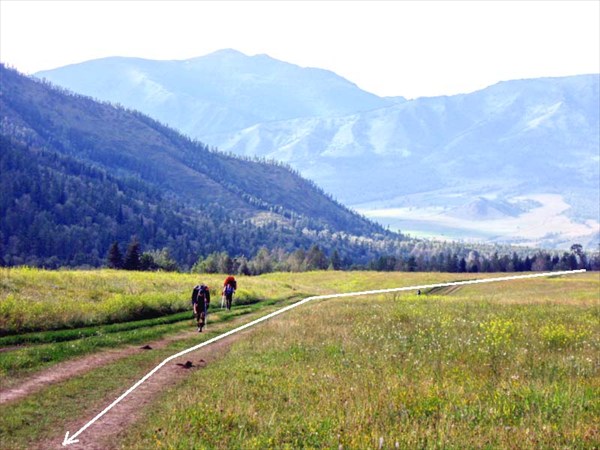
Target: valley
<point x="545" y="224"/>
<point x="515" y="139"/>
<point x="470" y="365"/>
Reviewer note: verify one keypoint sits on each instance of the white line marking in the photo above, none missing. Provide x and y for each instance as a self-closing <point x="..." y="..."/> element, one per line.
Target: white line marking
<point x="71" y="440"/>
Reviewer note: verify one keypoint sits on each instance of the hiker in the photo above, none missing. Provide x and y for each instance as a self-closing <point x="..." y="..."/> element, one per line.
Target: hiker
<point x="229" y="287"/>
<point x="200" y="302"/>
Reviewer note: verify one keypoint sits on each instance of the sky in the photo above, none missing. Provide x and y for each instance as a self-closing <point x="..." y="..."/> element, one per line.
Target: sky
<point x="389" y="48"/>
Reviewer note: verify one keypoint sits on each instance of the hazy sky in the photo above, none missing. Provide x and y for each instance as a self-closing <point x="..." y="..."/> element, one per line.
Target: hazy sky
<point x="404" y="48"/>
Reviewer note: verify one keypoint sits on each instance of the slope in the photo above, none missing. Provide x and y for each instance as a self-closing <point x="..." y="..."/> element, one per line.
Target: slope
<point x="223" y="91"/>
<point x="42" y="122"/>
<point x="527" y="131"/>
<point x="532" y="144"/>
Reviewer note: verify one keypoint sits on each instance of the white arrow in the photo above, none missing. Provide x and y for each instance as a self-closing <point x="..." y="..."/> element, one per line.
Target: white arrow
<point x="71" y="440"/>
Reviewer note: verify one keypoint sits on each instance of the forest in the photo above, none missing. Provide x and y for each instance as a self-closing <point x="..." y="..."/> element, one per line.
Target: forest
<point x="83" y="181"/>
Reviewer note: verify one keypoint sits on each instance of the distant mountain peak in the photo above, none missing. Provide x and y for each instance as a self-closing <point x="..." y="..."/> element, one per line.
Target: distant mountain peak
<point x="516" y="138"/>
<point x="228" y="52"/>
<point x="132" y="175"/>
<point x="219" y="92"/>
<point x="225" y="53"/>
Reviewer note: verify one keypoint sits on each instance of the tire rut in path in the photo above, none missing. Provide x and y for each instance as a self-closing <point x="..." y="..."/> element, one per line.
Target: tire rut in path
<point x="104" y="433"/>
<point x="69" y="369"/>
<point x="443" y="290"/>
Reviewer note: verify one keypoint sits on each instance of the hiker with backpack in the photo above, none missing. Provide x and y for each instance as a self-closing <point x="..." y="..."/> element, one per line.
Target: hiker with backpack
<point x="200" y="302"/>
<point x="229" y="288"/>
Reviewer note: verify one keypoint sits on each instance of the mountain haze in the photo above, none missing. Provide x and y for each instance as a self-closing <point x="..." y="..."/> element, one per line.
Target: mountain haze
<point x="516" y="162"/>
<point x="220" y="92"/>
<point x="521" y="137"/>
<point x="90" y="173"/>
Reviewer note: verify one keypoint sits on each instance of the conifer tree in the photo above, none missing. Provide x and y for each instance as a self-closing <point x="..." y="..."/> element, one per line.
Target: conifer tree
<point x="115" y="258"/>
<point x="132" y="257"/>
<point x="335" y="261"/>
<point x="316" y="259"/>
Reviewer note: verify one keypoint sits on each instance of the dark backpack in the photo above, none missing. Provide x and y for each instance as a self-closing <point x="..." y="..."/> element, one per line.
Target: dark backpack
<point x="200" y="291"/>
<point x="205" y="292"/>
<point x="229" y="289"/>
<point x="195" y="292"/>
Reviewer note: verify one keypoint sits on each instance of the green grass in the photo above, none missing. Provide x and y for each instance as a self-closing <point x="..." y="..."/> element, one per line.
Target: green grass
<point x="84" y="332"/>
<point x="49" y="412"/>
<point x="79" y="312"/>
<point x="499" y="365"/>
<point x="38" y="300"/>
<point x="67" y="344"/>
<point x="516" y="369"/>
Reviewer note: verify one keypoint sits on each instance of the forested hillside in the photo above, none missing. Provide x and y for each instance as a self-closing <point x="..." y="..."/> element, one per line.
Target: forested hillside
<point x="58" y="211"/>
<point x="77" y="175"/>
<point x="516" y="162"/>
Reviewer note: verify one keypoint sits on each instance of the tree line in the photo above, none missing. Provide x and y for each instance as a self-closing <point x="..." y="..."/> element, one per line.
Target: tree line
<point x="474" y="261"/>
<point x="315" y="258"/>
<point x="57" y="211"/>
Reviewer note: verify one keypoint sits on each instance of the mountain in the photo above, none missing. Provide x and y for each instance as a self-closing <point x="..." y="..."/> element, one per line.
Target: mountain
<point x="220" y="92"/>
<point x="528" y="146"/>
<point x="532" y="144"/>
<point x="78" y="174"/>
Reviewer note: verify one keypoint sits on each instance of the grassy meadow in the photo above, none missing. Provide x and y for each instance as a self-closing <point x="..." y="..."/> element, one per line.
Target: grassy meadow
<point x="513" y="364"/>
<point x="40" y="300"/>
<point x="507" y="365"/>
<point x="47" y="317"/>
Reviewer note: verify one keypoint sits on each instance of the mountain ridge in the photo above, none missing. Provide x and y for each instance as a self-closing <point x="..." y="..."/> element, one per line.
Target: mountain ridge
<point x="210" y="201"/>
<point x="217" y="81"/>
<point x="516" y="138"/>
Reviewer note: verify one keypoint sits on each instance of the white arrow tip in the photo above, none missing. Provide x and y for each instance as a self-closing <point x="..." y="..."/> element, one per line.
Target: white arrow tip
<point x="69" y="440"/>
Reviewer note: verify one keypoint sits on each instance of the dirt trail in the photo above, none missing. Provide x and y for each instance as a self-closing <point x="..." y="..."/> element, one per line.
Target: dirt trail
<point x="69" y="369"/>
<point x="104" y="433"/>
<point x="9" y="348"/>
